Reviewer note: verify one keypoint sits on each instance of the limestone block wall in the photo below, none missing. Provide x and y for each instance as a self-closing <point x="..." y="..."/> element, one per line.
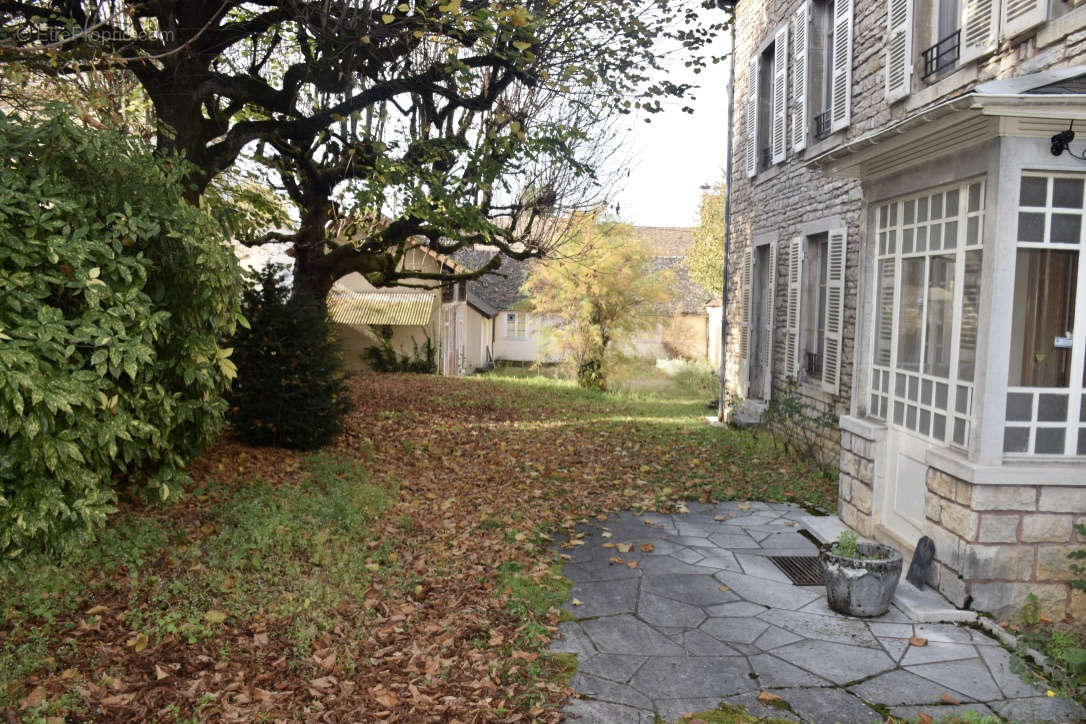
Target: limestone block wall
<point x="856" y="485"/>
<point x="996" y="544"/>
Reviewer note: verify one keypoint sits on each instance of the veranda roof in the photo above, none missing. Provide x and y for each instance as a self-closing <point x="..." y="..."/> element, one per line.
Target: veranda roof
<point x="384" y="308"/>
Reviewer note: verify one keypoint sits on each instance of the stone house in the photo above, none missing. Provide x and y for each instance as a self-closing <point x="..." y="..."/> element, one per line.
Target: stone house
<point x="905" y="250"/>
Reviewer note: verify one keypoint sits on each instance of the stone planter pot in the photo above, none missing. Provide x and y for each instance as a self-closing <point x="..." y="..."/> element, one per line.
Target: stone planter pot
<point x="859" y="587"/>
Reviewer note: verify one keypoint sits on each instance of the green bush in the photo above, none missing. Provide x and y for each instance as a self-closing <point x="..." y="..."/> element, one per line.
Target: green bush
<point x="384" y="358"/>
<point x="290" y="389"/>
<point x="116" y="295"/>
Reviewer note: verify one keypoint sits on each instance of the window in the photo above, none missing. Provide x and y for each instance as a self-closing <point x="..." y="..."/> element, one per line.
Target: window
<point x="814" y="311"/>
<point x="821" y="65"/>
<point x="516" y="325"/>
<point x="1046" y="414"/>
<point x="767" y="105"/>
<point x="926" y="307"/>
<point x="816" y="308"/>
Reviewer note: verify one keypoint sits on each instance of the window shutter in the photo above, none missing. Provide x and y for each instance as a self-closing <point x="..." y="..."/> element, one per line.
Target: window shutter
<point x="795" y="296"/>
<point x="800" y="53"/>
<point x="978" y="27"/>
<point x="899" y="48"/>
<point x="770" y="320"/>
<point x="752" y="117"/>
<point x="744" y="322"/>
<point x="1022" y="15"/>
<point x="841" y="100"/>
<point x="780" y="94"/>
<point x="835" y="310"/>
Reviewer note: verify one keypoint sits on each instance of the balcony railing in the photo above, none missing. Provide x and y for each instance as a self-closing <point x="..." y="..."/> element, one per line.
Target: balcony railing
<point x="814" y="364"/>
<point x="942" y="55"/>
<point x="822" y="125"/>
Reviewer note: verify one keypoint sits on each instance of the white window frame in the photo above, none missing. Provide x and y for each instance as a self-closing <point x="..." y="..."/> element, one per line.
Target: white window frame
<point x="904" y="398"/>
<point x="1075" y="389"/>
<point x="519" y="329"/>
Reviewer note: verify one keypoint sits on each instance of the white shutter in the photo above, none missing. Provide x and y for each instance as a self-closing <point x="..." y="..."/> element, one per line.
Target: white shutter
<point x="795" y="296"/>
<point x="744" y="321"/>
<point x="800" y="52"/>
<point x="980" y="21"/>
<point x="780" y="94"/>
<point x="841" y="93"/>
<point x="752" y="117"/>
<point x="1022" y="15"/>
<point x="770" y="321"/>
<point x="899" y="48"/>
<point x="835" y="310"/>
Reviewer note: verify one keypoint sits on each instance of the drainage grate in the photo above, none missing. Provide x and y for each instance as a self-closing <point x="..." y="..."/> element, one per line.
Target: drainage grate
<point x="801" y="570"/>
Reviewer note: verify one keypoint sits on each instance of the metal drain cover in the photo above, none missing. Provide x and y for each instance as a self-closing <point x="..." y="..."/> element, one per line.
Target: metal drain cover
<point x="801" y="570"/>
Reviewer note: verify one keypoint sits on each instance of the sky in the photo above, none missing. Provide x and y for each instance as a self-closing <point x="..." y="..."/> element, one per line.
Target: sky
<point x="671" y="157"/>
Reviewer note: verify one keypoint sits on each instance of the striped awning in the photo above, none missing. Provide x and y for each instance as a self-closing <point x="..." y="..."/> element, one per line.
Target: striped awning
<point x="409" y="309"/>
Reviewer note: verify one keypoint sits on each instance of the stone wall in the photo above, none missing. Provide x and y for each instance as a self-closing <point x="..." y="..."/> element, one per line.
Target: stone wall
<point x="995" y="544"/>
<point x="856" y="485"/>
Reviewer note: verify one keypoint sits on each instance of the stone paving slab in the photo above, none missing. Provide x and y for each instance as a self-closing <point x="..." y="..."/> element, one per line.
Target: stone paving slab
<point x="706" y="618"/>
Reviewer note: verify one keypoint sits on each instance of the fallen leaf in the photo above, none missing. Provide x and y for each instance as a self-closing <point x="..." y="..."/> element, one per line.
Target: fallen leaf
<point x="917" y="641"/>
<point x="948" y="699"/>
<point x="608" y="545"/>
<point x="34" y="698"/>
<point x="576" y="602"/>
<point x="647" y="547"/>
<point x="724" y="588"/>
<point x="97" y="610"/>
<point x="138" y="642"/>
<point x="631" y="564"/>
<point x="744" y="506"/>
<point x="260" y="640"/>
<point x="624" y="547"/>
<point x="160" y="673"/>
<point x="720" y="518"/>
<point x="614" y="560"/>
<point x="923" y="718"/>
<point x="768" y="698"/>
<point x="68" y="674"/>
<point x="606" y="534"/>
<point x="215" y="616"/>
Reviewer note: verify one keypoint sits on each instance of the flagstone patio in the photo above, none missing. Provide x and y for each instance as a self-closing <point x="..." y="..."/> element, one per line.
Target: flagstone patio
<point x="704" y="617"/>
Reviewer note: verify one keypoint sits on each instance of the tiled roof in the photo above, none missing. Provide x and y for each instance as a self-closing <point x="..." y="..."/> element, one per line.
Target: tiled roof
<point x="499" y="289"/>
<point x="666" y="240"/>
<point x="1068" y="86"/>
<point x="391" y="308"/>
<point x="686" y="296"/>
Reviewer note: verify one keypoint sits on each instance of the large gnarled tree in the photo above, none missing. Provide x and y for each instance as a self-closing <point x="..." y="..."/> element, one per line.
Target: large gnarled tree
<point x="459" y="122"/>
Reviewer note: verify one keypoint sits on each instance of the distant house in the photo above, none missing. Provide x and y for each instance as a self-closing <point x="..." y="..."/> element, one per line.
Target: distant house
<point x="518" y="335"/>
<point x="474" y="324"/>
<point x="452" y="318"/>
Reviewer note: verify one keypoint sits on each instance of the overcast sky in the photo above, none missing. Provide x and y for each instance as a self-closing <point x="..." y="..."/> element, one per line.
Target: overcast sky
<point x="678" y="152"/>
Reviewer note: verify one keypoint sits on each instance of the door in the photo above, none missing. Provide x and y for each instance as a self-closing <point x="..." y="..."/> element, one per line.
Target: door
<point x="901" y="508"/>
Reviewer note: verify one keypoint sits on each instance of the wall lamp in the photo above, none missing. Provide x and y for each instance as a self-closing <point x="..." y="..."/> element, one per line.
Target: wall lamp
<point x="1062" y="142"/>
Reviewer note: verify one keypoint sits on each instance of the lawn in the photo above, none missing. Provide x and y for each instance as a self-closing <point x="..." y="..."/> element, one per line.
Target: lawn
<point x="405" y="572"/>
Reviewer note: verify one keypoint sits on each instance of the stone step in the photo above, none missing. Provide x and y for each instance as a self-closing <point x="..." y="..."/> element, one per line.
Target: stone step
<point x="927" y="606"/>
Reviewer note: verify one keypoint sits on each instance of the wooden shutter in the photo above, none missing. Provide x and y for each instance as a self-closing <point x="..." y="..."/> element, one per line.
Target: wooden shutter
<point x="801" y="39"/>
<point x="752" y="117"/>
<point x="1022" y="15"/>
<point x="744" y="321"/>
<point x="795" y="297"/>
<point x="780" y="94"/>
<point x="770" y="321"/>
<point x="835" y="310"/>
<point x="841" y="94"/>
<point x="979" y="24"/>
<point x="899" y="48"/>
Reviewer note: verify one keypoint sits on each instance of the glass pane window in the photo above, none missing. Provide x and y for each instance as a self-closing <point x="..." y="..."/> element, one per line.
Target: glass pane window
<point x="1045" y="412"/>
<point x="927" y="303"/>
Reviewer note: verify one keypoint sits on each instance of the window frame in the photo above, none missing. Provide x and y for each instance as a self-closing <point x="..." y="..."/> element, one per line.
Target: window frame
<point x="907" y="399"/>
<point x="1073" y="423"/>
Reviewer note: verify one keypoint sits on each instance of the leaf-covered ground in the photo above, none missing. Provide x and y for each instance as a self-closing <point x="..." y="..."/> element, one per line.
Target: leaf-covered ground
<point x="403" y="574"/>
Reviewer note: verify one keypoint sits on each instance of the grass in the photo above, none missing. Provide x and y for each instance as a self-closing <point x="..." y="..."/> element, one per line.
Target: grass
<point x="413" y="554"/>
<point x="289" y="555"/>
